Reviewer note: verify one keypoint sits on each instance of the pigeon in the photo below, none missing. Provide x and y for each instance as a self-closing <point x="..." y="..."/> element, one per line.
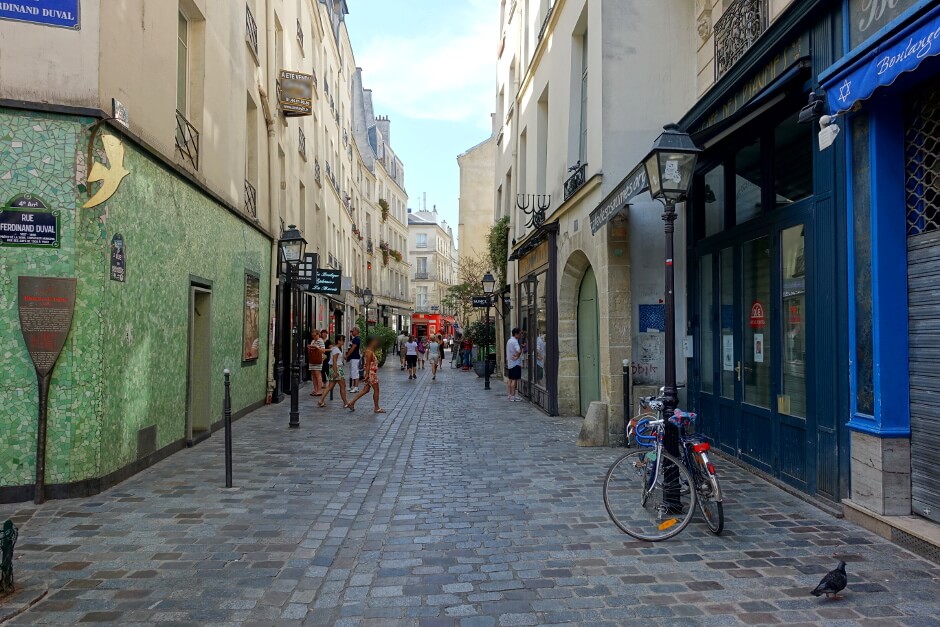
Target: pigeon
<point x="833" y="583"/>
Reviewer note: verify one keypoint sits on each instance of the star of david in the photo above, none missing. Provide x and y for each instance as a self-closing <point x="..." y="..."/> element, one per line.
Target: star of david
<point x="845" y="91"/>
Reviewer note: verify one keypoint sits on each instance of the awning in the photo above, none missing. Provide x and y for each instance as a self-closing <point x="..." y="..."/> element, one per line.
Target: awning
<point x="902" y="52"/>
<point x="616" y="201"/>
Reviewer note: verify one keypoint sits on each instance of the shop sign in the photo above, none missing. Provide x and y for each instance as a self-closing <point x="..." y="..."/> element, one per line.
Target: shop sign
<point x="327" y="281"/>
<point x="631" y="187"/>
<point x="295" y="93"/>
<point x="902" y="53"/>
<point x="118" y="258"/>
<point x="534" y="260"/>
<point x="481" y="301"/>
<point x="59" y="13"/>
<point x="27" y="221"/>
<point x="867" y="17"/>
<point x="758" y="319"/>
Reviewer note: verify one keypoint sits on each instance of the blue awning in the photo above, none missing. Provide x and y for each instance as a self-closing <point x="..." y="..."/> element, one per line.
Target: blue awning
<point x="902" y="52"/>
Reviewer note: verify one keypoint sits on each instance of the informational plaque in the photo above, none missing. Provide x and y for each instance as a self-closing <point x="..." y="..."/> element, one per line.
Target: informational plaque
<point x="118" y="258"/>
<point x="46" y="305"/>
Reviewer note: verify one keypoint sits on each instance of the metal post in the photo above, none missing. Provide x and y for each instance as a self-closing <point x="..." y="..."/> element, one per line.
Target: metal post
<point x="627" y="407"/>
<point x="295" y="361"/>
<point x="670" y="393"/>
<point x="227" y="415"/>
<point x="486" y="350"/>
<point x="39" y="492"/>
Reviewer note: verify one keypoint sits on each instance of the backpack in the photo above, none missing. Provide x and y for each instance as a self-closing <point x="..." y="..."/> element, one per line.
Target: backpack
<point x="314" y="355"/>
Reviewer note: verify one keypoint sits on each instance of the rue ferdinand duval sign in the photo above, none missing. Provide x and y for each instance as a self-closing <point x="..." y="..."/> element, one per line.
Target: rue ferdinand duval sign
<point x="60" y="13"/>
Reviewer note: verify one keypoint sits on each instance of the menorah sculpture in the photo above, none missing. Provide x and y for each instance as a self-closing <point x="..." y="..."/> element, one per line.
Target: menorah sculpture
<point x="534" y="206"/>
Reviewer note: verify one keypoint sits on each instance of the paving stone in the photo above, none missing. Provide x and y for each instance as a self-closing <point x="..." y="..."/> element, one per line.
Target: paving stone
<point x="481" y="515"/>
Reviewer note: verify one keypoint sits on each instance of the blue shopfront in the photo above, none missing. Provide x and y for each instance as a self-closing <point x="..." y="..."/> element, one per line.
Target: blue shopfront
<point x="885" y="94"/>
<point x="767" y="250"/>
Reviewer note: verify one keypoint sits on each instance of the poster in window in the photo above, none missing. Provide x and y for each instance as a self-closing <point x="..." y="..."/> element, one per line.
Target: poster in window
<point x="251" y="346"/>
<point x="727" y="353"/>
<point x="758" y="348"/>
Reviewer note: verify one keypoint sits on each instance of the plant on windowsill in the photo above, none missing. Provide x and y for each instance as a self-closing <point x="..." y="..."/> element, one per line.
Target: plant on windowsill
<point x="396" y="255"/>
<point x="383" y="204"/>
<point x="383" y="246"/>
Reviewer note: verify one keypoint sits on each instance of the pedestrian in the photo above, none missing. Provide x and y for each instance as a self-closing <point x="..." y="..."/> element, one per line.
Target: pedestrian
<point x="328" y="347"/>
<point x="435" y="353"/>
<point x="422" y="350"/>
<point x="337" y="372"/>
<point x="402" y="340"/>
<point x="467" y="353"/>
<point x="371" y="377"/>
<point x="455" y="350"/>
<point x="514" y="364"/>
<point x="411" y="357"/>
<point x="316" y="351"/>
<point x="353" y="357"/>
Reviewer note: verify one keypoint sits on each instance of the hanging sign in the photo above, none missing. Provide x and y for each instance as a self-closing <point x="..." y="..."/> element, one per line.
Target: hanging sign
<point x="295" y="93"/>
<point x="327" y="281"/>
<point x="118" y="258"/>
<point x="60" y="13"/>
<point x="27" y="221"/>
<point x="758" y="319"/>
<point x="481" y="301"/>
<point x="632" y="186"/>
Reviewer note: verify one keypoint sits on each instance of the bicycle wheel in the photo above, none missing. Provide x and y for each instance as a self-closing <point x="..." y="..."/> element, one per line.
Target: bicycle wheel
<point x="643" y="503"/>
<point x="709" y="502"/>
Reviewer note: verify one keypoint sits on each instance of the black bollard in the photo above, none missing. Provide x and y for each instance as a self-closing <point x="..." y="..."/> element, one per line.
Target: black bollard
<point x="227" y="413"/>
<point x="627" y="408"/>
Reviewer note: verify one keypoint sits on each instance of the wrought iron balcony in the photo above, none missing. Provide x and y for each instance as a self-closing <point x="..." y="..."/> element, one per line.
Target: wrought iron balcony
<point x="251" y="30"/>
<point x="302" y="142"/>
<point x="251" y="200"/>
<point x="422" y="276"/>
<point x="316" y="172"/>
<point x="370" y="247"/>
<point x="576" y="180"/>
<point x="187" y="140"/>
<point x="300" y="34"/>
<point x="548" y="16"/>
<point x="736" y="30"/>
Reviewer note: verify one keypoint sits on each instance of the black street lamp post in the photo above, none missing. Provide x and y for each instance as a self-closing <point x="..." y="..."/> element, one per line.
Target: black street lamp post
<point x="489" y="287"/>
<point x="670" y="166"/>
<point x="293" y="245"/>
<point x="365" y="299"/>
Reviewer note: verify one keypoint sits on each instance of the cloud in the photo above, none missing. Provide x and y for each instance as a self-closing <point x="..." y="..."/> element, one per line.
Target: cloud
<point x="445" y="73"/>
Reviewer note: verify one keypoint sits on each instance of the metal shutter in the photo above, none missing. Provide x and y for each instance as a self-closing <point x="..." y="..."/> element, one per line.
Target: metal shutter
<point x="922" y="152"/>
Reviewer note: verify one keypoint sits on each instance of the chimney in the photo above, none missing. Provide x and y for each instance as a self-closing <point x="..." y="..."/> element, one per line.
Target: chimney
<point x="383" y="124"/>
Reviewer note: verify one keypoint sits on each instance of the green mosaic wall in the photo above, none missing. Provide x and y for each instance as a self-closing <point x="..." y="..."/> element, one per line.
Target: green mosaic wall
<point x="124" y="366"/>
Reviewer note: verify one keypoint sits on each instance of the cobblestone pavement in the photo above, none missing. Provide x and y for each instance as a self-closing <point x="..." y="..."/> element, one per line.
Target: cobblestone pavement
<point x="455" y="507"/>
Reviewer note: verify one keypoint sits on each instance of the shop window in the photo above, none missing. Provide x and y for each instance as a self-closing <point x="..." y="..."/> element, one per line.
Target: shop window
<point x="793" y="161"/>
<point x="541" y="328"/>
<point x="747" y="183"/>
<point x="708" y="318"/>
<point x="714" y="200"/>
<point x="793" y="262"/>
<point x="861" y="191"/>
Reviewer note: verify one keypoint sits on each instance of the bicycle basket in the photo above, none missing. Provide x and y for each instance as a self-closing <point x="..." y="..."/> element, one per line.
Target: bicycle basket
<point x="685" y="420"/>
<point x="645" y="434"/>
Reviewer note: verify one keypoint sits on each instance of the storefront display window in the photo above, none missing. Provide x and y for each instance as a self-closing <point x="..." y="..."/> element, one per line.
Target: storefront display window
<point x="793" y="161"/>
<point x="714" y="198"/>
<point x="864" y="343"/>
<point x="757" y="347"/>
<point x="708" y="325"/>
<point x="793" y="399"/>
<point x="539" y="345"/>
<point x="747" y="177"/>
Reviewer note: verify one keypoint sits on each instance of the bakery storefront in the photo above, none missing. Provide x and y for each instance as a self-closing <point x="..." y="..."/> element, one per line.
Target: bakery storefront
<point x="766" y="236"/>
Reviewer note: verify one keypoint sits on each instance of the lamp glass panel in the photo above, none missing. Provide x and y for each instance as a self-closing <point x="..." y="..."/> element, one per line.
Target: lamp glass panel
<point x="677" y="173"/>
<point x="291" y="250"/>
<point x="652" y="174"/>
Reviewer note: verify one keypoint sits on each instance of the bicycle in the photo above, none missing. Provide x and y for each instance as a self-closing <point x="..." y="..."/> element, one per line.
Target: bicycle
<point x="662" y="480"/>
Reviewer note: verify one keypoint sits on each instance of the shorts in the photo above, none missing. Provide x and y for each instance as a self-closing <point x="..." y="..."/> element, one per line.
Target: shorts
<point x="515" y="373"/>
<point x="411" y="360"/>
<point x="435" y="360"/>
<point x="354" y="368"/>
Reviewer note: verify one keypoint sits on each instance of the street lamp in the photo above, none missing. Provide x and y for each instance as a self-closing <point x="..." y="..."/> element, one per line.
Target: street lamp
<point x="293" y="245"/>
<point x="669" y="169"/>
<point x="489" y="287"/>
<point x="365" y="299"/>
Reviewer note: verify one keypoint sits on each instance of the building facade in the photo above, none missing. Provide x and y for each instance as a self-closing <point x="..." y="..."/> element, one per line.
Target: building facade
<point x="432" y="253"/>
<point x="569" y="133"/>
<point x="477" y="192"/>
<point x="164" y="153"/>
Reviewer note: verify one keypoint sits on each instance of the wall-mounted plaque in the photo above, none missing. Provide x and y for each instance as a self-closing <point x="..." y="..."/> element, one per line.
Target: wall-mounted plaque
<point x="118" y="258"/>
<point x="46" y="305"/>
<point x="27" y="221"/>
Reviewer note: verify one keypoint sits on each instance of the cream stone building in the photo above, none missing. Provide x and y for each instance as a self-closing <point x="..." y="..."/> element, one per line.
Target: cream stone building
<point x="431" y="251"/>
<point x="477" y="192"/>
<point x="577" y="110"/>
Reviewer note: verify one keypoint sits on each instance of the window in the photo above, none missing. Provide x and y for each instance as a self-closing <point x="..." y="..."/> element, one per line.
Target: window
<point x="793" y="161"/>
<point x="747" y="177"/>
<point x="182" y="63"/>
<point x="714" y="200"/>
<point x="421" y="302"/>
<point x="582" y="135"/>
<point x="864" y="325"/>
<point x="422" y="265"/>
<point x="541" y="158"/>
<point x="422" y="240"/>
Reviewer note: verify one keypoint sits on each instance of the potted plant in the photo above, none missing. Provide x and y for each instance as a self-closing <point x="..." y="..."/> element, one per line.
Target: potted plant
<point x="383" y="204"/>
<point x="476" y="333"/>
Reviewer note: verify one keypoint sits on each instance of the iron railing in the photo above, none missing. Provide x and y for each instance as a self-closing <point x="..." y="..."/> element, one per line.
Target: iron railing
<point x="187" y="140"/>
<point x="370" y="247"/>
<point x="251" y="200"/>
<point x="736" y="30"/>
<point x="548" y="16"/>
<point x="316" y="172"/>
<point x="300" y="34"/>
<point x="422" y="276"/>
<point x="302" y="142"/>
<point x="251" y="30"/>
<point x="576" y="180"/>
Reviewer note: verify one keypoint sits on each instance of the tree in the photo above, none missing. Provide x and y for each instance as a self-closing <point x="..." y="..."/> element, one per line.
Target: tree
<point x="497" y="241"/>
<point x="459" y="297"/>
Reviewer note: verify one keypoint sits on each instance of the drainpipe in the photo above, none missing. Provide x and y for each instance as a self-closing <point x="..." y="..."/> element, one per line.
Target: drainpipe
<point x="274" y="356"/>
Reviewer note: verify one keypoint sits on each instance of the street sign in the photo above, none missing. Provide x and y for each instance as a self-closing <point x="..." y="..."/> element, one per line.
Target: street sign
<point x="481" y="301"/>
<point x="27" y="221"/>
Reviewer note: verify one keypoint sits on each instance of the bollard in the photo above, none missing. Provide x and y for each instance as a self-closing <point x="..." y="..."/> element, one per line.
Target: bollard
<point x="7" y="541"/>
<point x="227" y="413"/>
<point x="627" y="407"/>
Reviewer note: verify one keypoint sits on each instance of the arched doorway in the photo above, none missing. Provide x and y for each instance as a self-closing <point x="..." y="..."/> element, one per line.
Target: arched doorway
<point x="588" y="342"/>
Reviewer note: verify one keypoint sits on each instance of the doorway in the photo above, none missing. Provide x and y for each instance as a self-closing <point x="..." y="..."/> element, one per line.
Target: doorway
<point x="199" y="408"/>
<point x="588" y="342"/>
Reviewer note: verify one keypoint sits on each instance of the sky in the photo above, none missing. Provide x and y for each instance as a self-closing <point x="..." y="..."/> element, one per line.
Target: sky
<point x="431" y="65"/>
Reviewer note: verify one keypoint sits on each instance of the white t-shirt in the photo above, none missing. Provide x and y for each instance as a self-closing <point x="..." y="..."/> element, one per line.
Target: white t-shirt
<point x="412" y="348"/>
<point x="337" y="351"/>
<point x="513" y="353"/>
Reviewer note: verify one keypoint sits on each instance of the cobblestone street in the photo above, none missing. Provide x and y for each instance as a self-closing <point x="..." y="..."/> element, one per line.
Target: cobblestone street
<point x="455" y="507"/>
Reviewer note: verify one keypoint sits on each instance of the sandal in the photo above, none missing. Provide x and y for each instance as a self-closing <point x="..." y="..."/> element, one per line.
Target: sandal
<point x="351" y="407"/>
<point x="380" y="411"/>
<point x="321" y="404"/>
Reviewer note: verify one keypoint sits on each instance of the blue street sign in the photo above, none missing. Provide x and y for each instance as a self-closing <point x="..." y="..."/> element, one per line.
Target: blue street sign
<point x="60" y="13"/>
